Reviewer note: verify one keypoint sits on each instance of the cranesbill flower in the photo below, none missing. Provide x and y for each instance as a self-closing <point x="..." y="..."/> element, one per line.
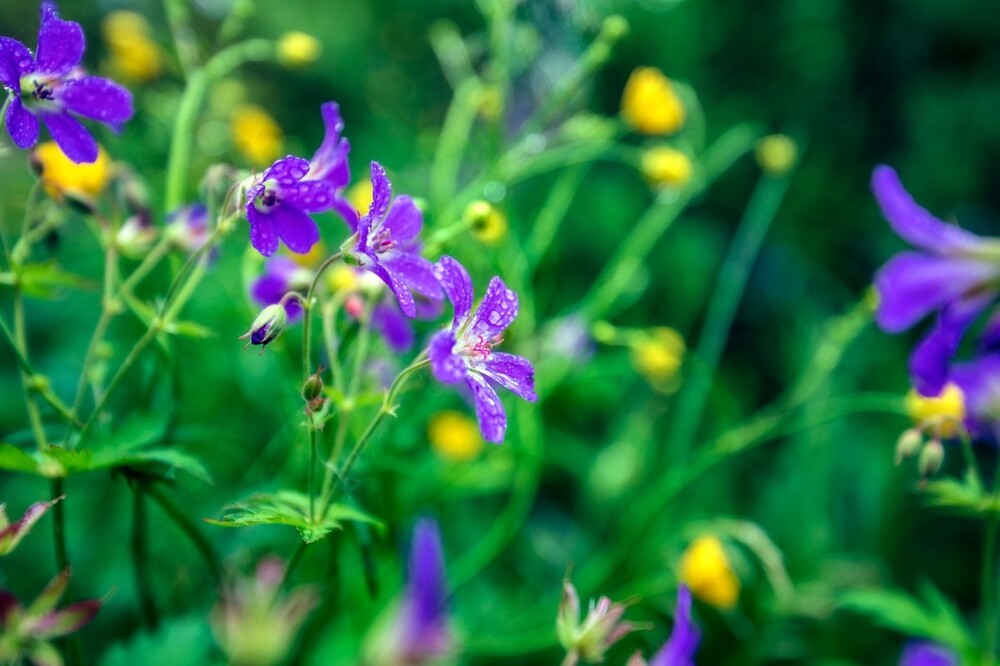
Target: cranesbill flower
<point x="330" y="165"/>
<point x="955" y="273"/>
<point x="925" y="653"/>
<point x="464" y="352"/>
<point x="386" y="244"/>
<point x="684" y="638"/>
<point x="51" y="86"/>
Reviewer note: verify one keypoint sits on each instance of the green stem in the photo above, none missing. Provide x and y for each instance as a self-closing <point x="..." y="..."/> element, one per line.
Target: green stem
<point x="59" y="527"/>
<point x="988" y="582"/>
<point x="723" y="305"/>
<point x="185" y="43"/>
<point x="140" y="558"/>
<point x="330" y="339"/>
<point x="34" y="416"/>
<point x="198" y="84"/>
<point x="36" y="382"/>
<point x="190" y="530"/>
<point x="544" y="230"/>
<point x="458" y="123"/>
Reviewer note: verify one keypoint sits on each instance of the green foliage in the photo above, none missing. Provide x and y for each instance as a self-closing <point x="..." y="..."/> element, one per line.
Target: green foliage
<point x="291" y="508"/>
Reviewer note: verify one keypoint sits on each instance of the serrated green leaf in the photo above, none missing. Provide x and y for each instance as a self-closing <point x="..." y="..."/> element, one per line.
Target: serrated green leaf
<point x="13" y="459"/>
<point x="966" y="496"/>
<point x="42" y="280"/>
<point x="292" y="509"/>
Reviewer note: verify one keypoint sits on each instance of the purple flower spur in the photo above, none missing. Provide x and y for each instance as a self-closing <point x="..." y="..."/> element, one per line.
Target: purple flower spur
<point x="954" y="273"/>
<point x="387" y="245"/>
<point x="52" y="87"/>
<point x="464" y="352"/>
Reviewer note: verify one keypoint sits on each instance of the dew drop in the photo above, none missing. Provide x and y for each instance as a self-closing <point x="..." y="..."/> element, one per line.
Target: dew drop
<point x="494" y="317"/>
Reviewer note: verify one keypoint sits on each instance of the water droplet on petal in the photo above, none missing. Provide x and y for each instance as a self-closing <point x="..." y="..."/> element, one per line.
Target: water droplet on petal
<point x="494" y="317"/>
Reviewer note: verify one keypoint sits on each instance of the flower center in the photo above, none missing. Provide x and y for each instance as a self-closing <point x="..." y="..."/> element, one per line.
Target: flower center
<point x="268" y="198"/>
<point x="480" y="347"/>
<point x="382" y="241"/>
<point x="38" y="90"/>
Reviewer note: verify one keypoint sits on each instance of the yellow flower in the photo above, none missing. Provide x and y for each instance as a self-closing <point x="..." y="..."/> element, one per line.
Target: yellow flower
<point x="311" y="259"/>
<point x="650" y="104"/>
<point x="664" y="166"/>
<point x="133" y="54"/>
<point x="487" y="223"/>
<point x="256" y="135"/>
<point x="454" y="436"/>
<point x="359" y="195"/>
<point x="706" y="570"/>
<point x="943" y="413"/>
<point x="657" y="355"/>
<point x="62" y="177"/>
<point x="342" y="277"/>
<point x="298" y="49"/>
<point x="776" y="154"/>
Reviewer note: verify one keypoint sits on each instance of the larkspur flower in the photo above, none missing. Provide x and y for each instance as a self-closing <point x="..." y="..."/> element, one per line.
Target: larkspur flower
<point x="684" y="638"/>
<point x="278" y="202"/>
<point x="464" y="351"/>
<point x="52" y="87"/>
<point x="925" y="653"/>
<point x="386" y="244"/>
<point x="956" y="274"/>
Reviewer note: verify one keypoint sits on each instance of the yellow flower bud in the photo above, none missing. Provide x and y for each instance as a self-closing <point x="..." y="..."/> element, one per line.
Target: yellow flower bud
<point x="650" y="104"/>
<point x="776" y="154"/>
<point x="487" y="224"/>
<point x="62" y="177"/>
<point x="705" y="569"/>
<point x="134" y="55"/>
<point x="664" y="166"/>
<point x="298" y="49"/>
<point x="657" y="355"/>
<point x="454" y="436"/>
<point x="360" y="195"/>
<point x="943" y="413"/>
<point x="256" y="135"/>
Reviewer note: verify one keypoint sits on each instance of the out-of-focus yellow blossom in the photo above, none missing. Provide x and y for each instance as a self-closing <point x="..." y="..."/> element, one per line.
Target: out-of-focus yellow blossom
<point x="776" y="154"/>
<point x="943" y="413"/>
<point x="486" y="223"/>
<point x="62" y="177"/>
<point x="705" y="569"/>
<point x="298" y="49"/>
<point x="650" y="104"/>
<point x="342" y="277"/>
<point x="664" y="166"/>
<point x="454" y="436"/>
<point x="359" y="195"/>
<point x="134" y="55"/>
<point x="657" y="355"/>
<point x="311" y="259"/>
<point x="256" y="135"/>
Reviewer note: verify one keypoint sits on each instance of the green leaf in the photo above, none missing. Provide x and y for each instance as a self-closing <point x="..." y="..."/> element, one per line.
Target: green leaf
<point x="189" y="329"/>
<point x="292" y="508"/>
<point x="42" y="280"/>
<point x="933" y="617"/>
<point x="13" y="459"/>
<point x="965" y="496"/>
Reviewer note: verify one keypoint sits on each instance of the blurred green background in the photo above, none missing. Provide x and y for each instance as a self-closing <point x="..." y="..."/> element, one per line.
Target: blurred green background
<point x="911" y="83"/>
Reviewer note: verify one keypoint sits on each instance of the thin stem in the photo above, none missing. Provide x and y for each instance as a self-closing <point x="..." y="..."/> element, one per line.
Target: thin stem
<point x="458" y="123"/>
<point x="140" y="558"/>
<point x="36" y="382"/>
<point x="34" y="416"/>
<point x="553" y="213"/>
<point x="185" y="43"/>
<point x="331" y="340"/>
<point x="307" y="307"/>
<point x="190" y="530"/>
<point x="988" y="582"/>
<point x="59" y="527"/>
<point x="723" y="305"/>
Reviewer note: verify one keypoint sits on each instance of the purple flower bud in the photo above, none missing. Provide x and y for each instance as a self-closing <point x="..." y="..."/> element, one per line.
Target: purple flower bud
<point x="268" y="325"/>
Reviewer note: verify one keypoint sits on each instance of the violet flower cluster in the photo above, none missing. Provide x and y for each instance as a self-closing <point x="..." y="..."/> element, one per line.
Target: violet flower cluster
<point x="51" y="86"/>
<point x="955" y="275"/>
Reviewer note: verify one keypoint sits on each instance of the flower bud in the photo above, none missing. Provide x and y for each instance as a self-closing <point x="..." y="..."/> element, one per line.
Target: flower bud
<point x="615" y="27"/>
<point x="487" y="224"/>
<point x="776" y="154"/>
<point x="931" y="458"/>
<point x="944" y="412"/>
<point x="706" y="570"/>
<point x="268" y="325"/>
<point x="650" y="105"/>
<point x="135" y="236"/>
<point x="590" y="639"/>
<point x="298" y="49"/>
<point x="908" y="444"/>
<point x="313" y="386"/>
<point x="664" y="166"/>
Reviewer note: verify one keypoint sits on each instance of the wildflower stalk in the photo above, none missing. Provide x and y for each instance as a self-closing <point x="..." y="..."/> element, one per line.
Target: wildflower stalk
<point x="140" y="558"/>
<point x="59" y="527"/>
<point x="723" y="304"/>
<point x="988" y="581"/>
<point x="20" y="337"/>
<point x="458" y="123"/>
<point x="179" y="19"/>
<point x="628" y="258"/>
<point x="37" y="382"/>
<point x="553" y="213"/>
<point x="199" y="82"/>
<point x="190" y="530"/>
<point x="331" y="341"/>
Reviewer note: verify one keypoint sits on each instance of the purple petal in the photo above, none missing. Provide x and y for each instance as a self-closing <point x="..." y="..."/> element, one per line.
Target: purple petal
<point x="15" y="60"/>
<point x="514" y="373"/>
<point x="11" y="535"/>
<point x="495" y="313"/>
<point x="263" y="233"/>
<point x="22" y="125"/>
<point x="276" y="281"/>
<point x="912" y="222"/>
<point x="457" y="285"/>
<point x="489" y="410"/>
<point x="66" y="620"/>
<point x="96" y="98"/>
<point x="381" y="193"/>
<point x="287" y="171"/>
<point x="311" y="196"/>
<point x="413" y="271"/>
<point x="980" y="384"/>
<point x="71" y="136"/>
<point x="404" y="219"/>
<point x="426" y="587"/>
<point x="684" y="637"/>
<point x="931" y="357"/>
<point x="329" y="164"/>
<point x="60" y="43"/>
<point x="296" y="229"/>
<point x="400" y="290"/>
<point x="912" y="285"/>
<point x="447" y="366"/>
<point x="394" y="327"/>
<point x="927" y="654"/>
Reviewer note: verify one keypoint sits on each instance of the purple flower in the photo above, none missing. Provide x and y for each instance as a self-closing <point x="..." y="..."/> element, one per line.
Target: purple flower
<point x="464" y="352"/>
<point x="979" y="381"/>
<point x="955" y="273"/>
<point x="386" y="244"/>
<point x="925" y="653"/>
<point x="684" y="637"/>
<point x="51" y="86"/>
<point x="281" y="275"/>
<point x="329" y="164"/>
<point x="187" y="227"/>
